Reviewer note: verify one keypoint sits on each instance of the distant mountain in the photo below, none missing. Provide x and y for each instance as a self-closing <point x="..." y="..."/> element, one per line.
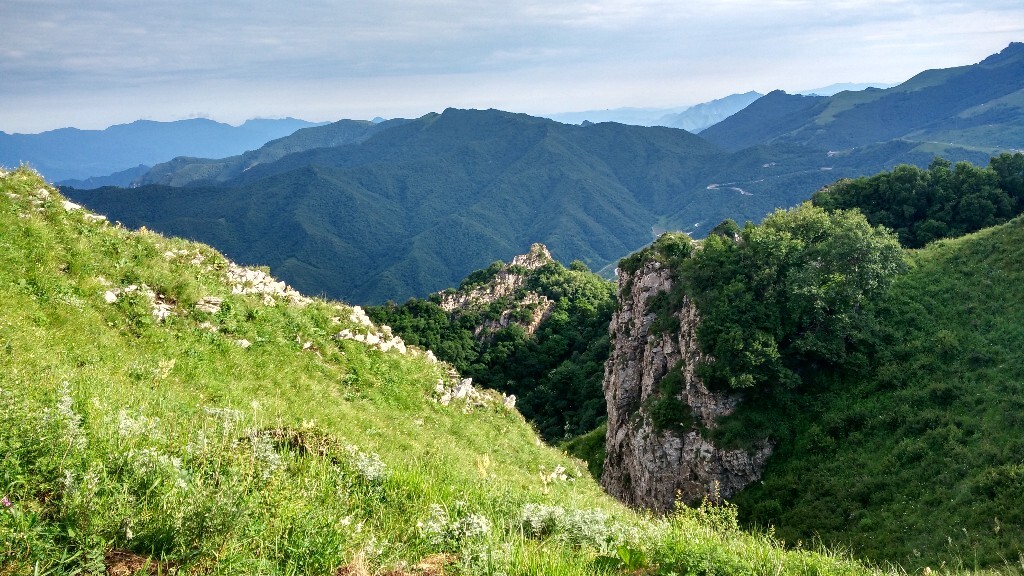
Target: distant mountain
<point x="761" y="121"/>
<point x="697" y="118"/>
<point x="979" y="106"/>
<point x="185" y="171"/>
<point x="420" y="204"/>
<point x="122" y="179"/>
<point x="631" y="116"/>
<point x="833" y="89"/>
<point x="690" y="118"/>
<point x="70" y="153"/>
<point x="372" y="212"/>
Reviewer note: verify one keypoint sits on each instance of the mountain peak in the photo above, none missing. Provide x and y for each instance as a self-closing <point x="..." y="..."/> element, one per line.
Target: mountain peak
<point x="537" y="256"/>
<point x="1011" y="53"/>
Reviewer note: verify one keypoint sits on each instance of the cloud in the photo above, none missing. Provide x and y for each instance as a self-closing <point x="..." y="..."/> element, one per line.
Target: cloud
<point x="339" y="57"/>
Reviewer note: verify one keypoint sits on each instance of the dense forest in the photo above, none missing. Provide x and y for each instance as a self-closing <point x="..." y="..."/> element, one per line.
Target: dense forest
<point x="943" y="201"/>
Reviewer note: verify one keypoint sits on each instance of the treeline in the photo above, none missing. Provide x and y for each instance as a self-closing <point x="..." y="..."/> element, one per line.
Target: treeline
<point x="555" y="373"/>
<point x="942" y="201"/>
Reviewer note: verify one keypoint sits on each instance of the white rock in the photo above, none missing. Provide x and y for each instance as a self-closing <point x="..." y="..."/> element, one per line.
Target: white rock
<point x="209" y="304"/>
<point x="110" y="297"/>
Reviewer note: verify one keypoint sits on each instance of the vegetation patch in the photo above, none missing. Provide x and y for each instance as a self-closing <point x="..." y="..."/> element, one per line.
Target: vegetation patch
<point x="555" y="373"/>
<point x="944" y="201"/>
<point x="666" y="409"/>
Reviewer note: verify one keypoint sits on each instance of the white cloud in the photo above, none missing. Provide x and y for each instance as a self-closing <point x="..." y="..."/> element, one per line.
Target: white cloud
<point x="66" y="62"/>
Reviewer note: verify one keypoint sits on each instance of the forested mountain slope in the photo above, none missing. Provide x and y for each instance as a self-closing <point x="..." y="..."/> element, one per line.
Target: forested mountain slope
<point x="418" y="205"/>
<point x="532" y="328"/>
<point x="979" y="106"/>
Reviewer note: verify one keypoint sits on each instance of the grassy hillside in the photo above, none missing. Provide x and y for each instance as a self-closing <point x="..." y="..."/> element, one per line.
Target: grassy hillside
<point x="917" y="457"/>
<point x="159" y="415"/>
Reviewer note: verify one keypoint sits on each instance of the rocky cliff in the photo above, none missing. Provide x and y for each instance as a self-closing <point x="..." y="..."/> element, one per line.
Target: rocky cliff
<point x="525" y="308"/>
<point x="649" y="465"/>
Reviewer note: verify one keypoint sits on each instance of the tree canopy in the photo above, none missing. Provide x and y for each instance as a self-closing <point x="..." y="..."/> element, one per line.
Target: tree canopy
<point x="943" y="201"/>
<point x="787" y="295"/>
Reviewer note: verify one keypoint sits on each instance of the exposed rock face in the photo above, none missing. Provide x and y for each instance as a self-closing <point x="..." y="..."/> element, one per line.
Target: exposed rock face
<point x="648" y="467"/>
<point x="507" y="283"/>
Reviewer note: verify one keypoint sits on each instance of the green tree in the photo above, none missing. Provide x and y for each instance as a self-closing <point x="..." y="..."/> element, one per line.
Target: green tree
<point x="788" y="295"/>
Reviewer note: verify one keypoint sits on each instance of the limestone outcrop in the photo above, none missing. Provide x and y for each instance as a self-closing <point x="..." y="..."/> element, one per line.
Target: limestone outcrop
<point x="650" y="467"/>
<point x="525" y="308"/>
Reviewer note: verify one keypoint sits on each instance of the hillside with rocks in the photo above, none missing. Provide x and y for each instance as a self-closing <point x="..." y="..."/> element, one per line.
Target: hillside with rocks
<point x="531" y="328"/>
<point x="169" y="412"/>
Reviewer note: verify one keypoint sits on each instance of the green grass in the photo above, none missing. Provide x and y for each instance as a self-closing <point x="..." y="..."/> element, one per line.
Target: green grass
<point x="917" y="459"/>
<point x="168" y="442"/>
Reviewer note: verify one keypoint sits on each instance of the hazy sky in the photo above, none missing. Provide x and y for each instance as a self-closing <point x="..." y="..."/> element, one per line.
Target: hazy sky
<point x="93" y="63"/>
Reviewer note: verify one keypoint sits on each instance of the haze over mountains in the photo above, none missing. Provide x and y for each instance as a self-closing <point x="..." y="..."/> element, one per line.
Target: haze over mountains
<point x="418" y="204"/>
<point x="692" y="119"/>
<point x="70" y="153"/>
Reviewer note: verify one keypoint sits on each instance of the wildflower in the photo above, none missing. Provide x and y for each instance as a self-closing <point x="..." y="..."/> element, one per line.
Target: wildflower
<point x="6" y="502"/>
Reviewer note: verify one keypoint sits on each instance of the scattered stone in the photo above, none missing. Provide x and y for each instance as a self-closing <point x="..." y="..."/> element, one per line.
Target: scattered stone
<point x="471" y="396"/>
<point x="209" y="304"/>
<point x="249" y="281"/>
<point x="161" y="307"/>
<point x="71" y="206"/>
<point x="243" y="342"/>
<point x="359" y="316"/>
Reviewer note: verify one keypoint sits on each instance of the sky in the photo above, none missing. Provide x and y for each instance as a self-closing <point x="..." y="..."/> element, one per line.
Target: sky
<point x="93" y="63"/>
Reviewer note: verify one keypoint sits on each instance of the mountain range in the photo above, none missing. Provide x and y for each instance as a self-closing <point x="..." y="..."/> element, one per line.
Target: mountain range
<point x="418" y="204"/>
<point x="691" y="118"/>
<point x="73" y="154"/>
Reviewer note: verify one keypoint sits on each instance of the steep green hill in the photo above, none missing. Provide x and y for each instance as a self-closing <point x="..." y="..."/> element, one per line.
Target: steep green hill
<point x="916" y="457"/>
<point x="889" y="393"/>
<point x="166" y="410"/>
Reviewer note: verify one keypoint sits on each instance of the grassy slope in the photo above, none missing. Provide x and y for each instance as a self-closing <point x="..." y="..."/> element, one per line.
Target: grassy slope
<point x="920" y="462"/>
<point x="123" y="438"/>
